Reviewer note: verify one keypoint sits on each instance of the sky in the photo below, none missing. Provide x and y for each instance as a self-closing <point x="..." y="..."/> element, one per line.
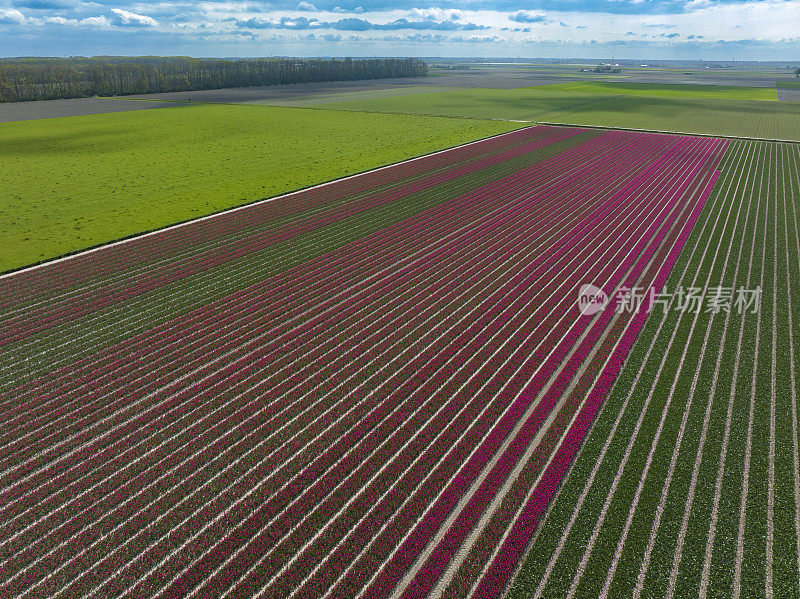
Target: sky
<point x="638" y="29"/>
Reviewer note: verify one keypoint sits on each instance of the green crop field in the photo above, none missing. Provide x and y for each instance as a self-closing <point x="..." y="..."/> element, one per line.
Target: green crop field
<point x="745" y="118"/>
<point x="313" y="99"/>
<point x="689" y="483"/>
<point x="71" y="183"/>
<point x="788" y="84"/>
<point x="677" y="90"/>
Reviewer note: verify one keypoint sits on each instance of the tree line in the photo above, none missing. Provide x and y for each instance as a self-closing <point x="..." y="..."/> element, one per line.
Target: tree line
<point x="23" y="79"/>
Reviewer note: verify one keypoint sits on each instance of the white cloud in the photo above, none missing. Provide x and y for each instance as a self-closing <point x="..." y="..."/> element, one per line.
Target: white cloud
<point x="435" y="13"/>
<point x="524" y="16"/>
<point x="100" y="21"/>
<point x="704" y="22"/>
<point x="340" y="10"/>
<point x="693" y="5"/>
<point x="10" y="16"/>
<point x="131" y="19"/>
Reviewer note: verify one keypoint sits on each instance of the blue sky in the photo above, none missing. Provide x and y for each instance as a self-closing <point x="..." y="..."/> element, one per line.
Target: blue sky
<point x="708" y="29"/>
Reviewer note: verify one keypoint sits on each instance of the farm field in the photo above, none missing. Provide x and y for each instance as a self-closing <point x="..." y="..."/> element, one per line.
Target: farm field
<point x="71" y="183"/>
<point x="742" y="118"/>
<point x="357" y="389"/>
<point x="49" y="109"/>
<point x="723" y="92"/>
<point x="594" y="87"/>
<point x="687" y="485"/>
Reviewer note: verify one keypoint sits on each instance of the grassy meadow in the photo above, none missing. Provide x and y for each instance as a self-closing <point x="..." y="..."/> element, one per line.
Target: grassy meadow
<point x="71" y="183"/>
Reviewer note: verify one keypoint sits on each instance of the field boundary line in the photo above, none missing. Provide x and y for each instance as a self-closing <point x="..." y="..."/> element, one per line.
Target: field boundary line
<point x="143" y="234"/>
<point x="715" y="135"/>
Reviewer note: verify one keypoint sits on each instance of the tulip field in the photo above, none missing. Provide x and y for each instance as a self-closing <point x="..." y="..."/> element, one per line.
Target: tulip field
<point x="385" y="386"/>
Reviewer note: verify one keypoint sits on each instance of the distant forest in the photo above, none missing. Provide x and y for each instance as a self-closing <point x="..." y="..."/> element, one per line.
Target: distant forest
<point x="23" y="79"/>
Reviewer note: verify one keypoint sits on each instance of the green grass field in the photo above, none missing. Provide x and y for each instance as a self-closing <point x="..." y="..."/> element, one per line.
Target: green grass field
<point x="745" y="118"/>
<point x="677" y="90"/>
<point x="71" y="183"/>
